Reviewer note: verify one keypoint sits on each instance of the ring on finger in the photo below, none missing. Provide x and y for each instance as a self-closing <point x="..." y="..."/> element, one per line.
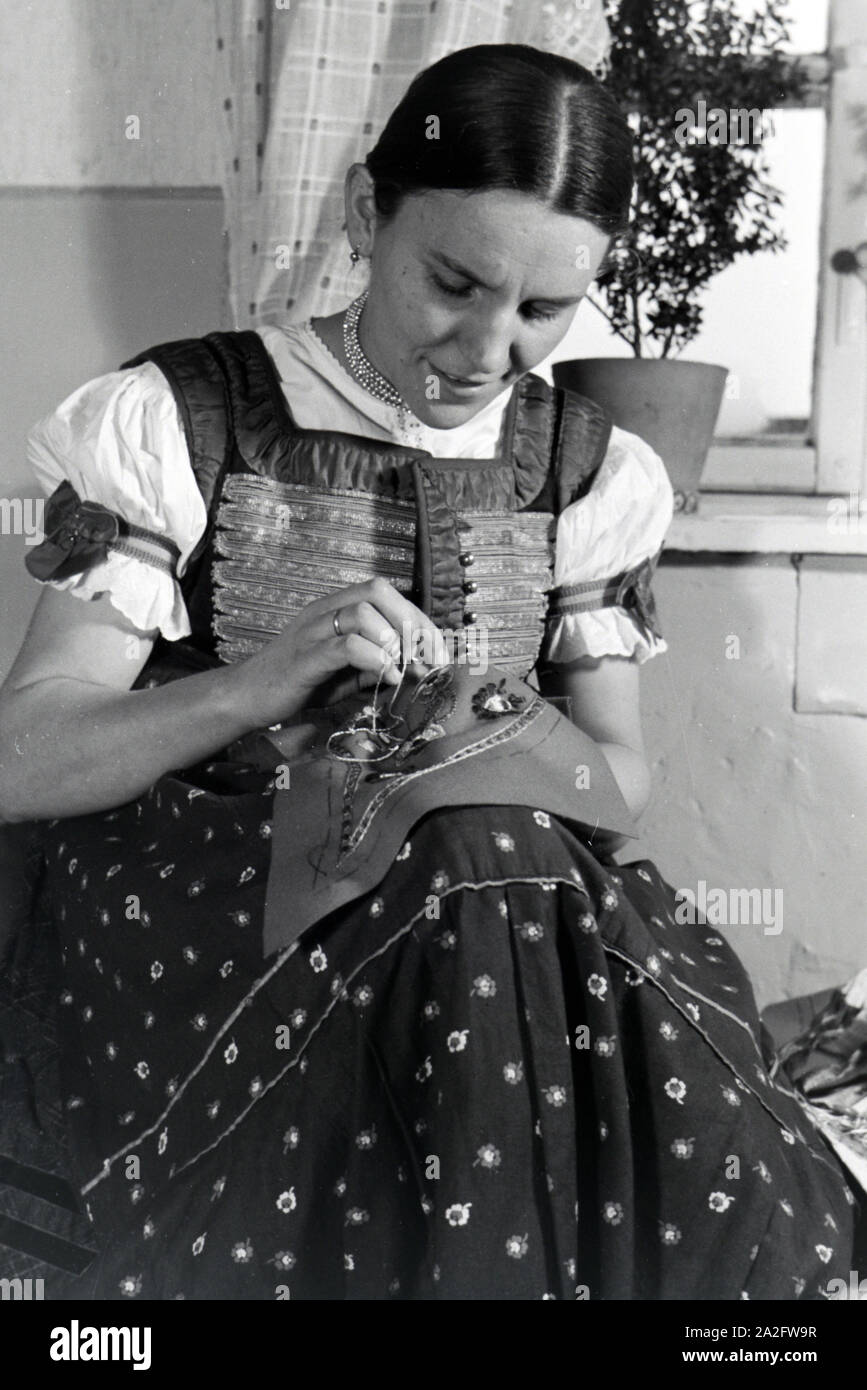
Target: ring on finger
<point x="336" y="623"/>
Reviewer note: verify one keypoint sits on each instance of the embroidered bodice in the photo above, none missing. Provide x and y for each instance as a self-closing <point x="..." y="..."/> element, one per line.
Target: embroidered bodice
<point x="289" y="513"/>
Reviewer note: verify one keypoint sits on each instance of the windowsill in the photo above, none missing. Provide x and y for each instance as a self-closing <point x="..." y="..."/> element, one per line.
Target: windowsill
<point x="751" y="522"/>
<point x="765" y="465"/>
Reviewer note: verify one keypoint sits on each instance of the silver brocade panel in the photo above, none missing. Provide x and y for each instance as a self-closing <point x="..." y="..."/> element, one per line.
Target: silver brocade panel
<point x="282" y="545"/>
<point x="512" y="568"/>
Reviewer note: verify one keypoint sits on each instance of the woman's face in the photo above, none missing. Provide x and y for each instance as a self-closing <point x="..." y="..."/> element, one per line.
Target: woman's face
<point x="470" y="291"/>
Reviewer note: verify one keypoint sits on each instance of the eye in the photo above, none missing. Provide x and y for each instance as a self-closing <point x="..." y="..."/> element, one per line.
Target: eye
<point x="458" y="291"/>
<point x="540" y="315"/>
<point x="530" y="311"/>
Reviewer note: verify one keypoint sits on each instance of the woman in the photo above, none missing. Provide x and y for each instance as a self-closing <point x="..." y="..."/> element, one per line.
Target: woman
<point x="500" y="1070"/>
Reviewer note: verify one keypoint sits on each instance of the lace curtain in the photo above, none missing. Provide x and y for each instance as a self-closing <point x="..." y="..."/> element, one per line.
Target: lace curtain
<point x="306" y="87"/>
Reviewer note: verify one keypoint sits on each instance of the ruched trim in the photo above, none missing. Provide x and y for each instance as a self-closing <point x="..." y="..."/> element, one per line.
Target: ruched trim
<point x="150" y="599"/>
<point x="118" y="440"/>
<point x="444" y="542"/>
<point x="606" y="632"/>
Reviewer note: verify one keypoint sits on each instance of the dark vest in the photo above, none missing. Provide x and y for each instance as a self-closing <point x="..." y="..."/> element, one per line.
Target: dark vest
<point x="294" y="514"/>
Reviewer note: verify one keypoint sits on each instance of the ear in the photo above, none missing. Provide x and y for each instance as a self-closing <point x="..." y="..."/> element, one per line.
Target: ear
<point x="360" y="209"/>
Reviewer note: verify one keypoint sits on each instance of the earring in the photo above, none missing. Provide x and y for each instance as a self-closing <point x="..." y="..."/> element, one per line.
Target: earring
<point x="354" y="256"/>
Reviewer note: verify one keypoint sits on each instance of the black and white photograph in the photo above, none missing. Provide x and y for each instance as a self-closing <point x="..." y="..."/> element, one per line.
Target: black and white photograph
<point x="433" y="662"/>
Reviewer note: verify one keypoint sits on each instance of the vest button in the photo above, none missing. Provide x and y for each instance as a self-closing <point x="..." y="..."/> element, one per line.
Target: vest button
<point x="471" y="619"/>
<point x="469" y="586"/>
<point x="467" y="558"/>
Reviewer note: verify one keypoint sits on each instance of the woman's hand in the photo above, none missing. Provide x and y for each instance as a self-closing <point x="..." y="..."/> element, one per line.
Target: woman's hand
<point x="364" y="626"/>
<point x="74" y="738"/>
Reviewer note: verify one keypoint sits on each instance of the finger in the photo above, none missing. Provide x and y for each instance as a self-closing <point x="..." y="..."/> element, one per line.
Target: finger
<point x="369" y="656"/>
<point x="403" y="616"/>
<point x="347" y="683"/>
<point x="416" y="629"/>
<point x="362" y="620"/>
<point x="352" y="593"/>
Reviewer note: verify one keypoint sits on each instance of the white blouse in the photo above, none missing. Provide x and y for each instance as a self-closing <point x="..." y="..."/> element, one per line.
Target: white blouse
<point x="119" y="441"/>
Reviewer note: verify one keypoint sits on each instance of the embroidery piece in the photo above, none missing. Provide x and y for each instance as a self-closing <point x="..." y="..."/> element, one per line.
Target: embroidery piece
<point x="491" y="701"/>
<point x="384" y="776"/>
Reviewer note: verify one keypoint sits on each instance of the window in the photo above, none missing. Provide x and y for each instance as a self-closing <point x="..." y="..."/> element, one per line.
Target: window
<point x="792" y="326"/>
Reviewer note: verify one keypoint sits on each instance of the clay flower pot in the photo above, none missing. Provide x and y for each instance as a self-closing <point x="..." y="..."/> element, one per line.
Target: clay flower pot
<point x="672" y="405"/>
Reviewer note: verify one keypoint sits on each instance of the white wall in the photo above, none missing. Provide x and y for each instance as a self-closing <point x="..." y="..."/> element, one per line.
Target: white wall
<point x="73" y="71"/>
<point x="747" y="792"/>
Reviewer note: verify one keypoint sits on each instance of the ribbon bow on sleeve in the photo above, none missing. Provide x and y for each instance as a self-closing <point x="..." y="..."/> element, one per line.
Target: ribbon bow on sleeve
<point x="634" y="592"/>
<point x="630" y="590"/>
<point x="79" y="535"/>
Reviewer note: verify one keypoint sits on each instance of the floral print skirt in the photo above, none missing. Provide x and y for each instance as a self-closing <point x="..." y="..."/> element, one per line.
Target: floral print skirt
<point x="505" y="1074"/>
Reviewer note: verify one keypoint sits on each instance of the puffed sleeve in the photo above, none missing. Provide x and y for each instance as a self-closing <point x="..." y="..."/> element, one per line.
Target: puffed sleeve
<point x="118" y="442"/>
<point x="607" y="546"/>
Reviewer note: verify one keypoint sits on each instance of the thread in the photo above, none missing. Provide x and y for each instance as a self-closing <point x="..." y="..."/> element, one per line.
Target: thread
<point x="368" y="725"/>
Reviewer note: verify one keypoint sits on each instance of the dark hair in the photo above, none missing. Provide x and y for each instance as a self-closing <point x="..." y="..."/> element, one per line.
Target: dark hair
<point x="509" y="116"/>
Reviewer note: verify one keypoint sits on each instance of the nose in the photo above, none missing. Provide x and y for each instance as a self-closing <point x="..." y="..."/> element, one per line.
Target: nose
<point x="487" y="342"/>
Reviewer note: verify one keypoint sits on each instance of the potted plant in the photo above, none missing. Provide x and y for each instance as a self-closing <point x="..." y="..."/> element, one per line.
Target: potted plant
<point x="697" y="81"/>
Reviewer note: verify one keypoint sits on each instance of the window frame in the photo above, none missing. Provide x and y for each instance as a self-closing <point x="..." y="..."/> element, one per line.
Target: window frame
<point x="786" y="494"/>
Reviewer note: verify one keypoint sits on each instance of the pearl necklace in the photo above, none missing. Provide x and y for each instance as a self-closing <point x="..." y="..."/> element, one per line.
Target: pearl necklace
<point x="361" y="367"/>
<point x="372" y="380"/>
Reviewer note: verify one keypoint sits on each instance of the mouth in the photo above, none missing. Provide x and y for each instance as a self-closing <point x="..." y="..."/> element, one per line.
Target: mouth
<point x="467" y="384"/>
